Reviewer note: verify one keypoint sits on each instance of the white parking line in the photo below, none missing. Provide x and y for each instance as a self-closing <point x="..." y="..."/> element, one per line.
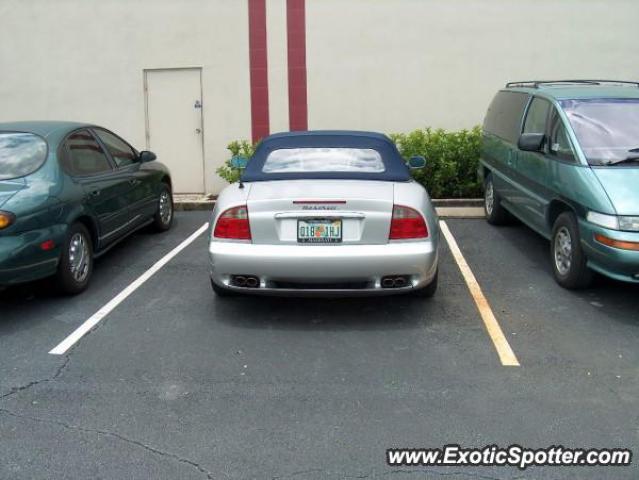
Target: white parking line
<point x="506" y="354"/>
<point x="83" y="329"/>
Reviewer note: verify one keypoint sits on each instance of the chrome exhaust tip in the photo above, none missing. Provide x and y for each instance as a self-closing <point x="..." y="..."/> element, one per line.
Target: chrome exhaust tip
<point x="400" y="282"/>
<point x="252" y="282"/>
<point x="238" y="280"/>
<point x="388" y="282"/>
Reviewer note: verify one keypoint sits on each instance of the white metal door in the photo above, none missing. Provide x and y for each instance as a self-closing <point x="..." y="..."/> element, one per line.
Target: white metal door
<point x="174" y="124"/>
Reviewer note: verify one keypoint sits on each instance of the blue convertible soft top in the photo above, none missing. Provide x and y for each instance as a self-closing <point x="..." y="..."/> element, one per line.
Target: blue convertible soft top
<point x="395" y="169"/>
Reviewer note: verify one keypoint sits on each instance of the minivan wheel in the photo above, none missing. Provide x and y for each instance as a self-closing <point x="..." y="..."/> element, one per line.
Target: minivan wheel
<point x="163" y="218"/>
<point x="567" y="255"/>
<point x="495" y="213"/>
<point x="76" y="261"/>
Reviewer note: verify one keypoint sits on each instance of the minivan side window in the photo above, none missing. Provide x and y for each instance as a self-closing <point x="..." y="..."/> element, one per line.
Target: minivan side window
<point x="559" y="142"/>
<point x="537" y="116"/>
<point x="504" y="115"/>
<point x="84" y="155"/>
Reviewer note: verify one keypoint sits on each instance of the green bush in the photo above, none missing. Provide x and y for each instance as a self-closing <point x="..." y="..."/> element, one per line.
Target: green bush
<point x="243" y="148"/>
<point x="452" y="159"/>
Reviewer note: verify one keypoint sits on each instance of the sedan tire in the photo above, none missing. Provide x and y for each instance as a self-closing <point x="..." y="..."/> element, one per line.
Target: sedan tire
<point x="495" y="213"/>
<point x="566" y="254"/>
<point x="76" y="261"/>
<point x="163" y="218"/>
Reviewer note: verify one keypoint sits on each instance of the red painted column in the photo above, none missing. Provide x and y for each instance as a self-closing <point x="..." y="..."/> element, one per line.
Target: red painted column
<point x="258" y="69"/>
<point x="296" y="39"/>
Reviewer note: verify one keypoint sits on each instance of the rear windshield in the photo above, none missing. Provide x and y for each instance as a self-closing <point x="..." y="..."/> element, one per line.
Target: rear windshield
<point x="325" y="159"/>
<point x="607" y="129"/>
<point x="20" y="154"/>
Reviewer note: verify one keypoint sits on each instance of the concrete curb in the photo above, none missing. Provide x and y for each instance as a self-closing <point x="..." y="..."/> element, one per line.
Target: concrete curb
<point x="460" y="212"/>
<point x="446" y="207"/>
<point x="185" y="205"/>
<point x="458" y="202"/>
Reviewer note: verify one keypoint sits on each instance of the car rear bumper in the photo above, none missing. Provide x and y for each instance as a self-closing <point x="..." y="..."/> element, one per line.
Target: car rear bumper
<point x="23" y="260"/>
<point x="324" y="270"/>
<point x="613" y="262"/>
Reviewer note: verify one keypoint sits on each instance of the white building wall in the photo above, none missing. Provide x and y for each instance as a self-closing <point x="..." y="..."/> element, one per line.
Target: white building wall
<point x="84" y="61"/>
<point x="386" y="65"/>
<point x="397" y="65"/>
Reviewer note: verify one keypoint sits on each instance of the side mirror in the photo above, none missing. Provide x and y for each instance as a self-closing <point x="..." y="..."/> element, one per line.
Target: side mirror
<point x="416" y="161"/>
<point x="146" y="156"/>
<point x="531" y="142"/>
<point x="239" y="162"/>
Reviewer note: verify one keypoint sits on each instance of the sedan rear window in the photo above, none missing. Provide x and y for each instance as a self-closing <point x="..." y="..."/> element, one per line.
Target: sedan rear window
<point x="323" y="159"/>
<point x="20" y="154"/>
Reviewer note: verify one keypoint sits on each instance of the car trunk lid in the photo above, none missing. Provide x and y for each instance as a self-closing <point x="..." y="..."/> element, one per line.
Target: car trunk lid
<point x="362" y="209"/>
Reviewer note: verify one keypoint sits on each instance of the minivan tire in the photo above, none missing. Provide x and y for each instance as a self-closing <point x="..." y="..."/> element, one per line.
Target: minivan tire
<point x="74" y="274"/>
<point x="495" y="213"/>
<point x="566" y="254"/>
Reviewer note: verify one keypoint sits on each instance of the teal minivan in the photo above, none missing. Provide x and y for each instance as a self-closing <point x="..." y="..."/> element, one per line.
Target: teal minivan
<point x="563" y="157"/>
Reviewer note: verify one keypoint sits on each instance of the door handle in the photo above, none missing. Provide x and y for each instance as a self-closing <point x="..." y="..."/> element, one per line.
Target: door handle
<point x="198" y="130"/>
<point x="134" y="182"/>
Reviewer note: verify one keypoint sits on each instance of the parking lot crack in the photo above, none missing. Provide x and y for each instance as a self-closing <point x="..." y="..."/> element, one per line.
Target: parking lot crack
<point x="33" y="383"/>
<point x="113" y="435"/>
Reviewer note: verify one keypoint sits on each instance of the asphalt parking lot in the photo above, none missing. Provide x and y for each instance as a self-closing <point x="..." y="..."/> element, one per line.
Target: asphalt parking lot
<point x="176" y="383"/>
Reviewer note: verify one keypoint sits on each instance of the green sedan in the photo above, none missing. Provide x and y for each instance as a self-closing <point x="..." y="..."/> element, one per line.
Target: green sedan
<point x="69" y="192"/>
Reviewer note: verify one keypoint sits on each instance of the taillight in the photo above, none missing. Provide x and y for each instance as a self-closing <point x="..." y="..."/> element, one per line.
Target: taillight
<point x="6" y="219"/>
<point x="233" y="223"/>
<point x="407" y="223"/>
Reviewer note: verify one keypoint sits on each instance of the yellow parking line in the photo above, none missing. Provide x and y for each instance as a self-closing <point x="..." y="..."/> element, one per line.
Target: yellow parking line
<point x="506" y="354"/>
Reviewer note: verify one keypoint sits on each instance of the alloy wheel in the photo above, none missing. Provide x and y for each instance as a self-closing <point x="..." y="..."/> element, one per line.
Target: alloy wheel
<point x="489" y="197"/>
<point x="166" y="208"/>
<point x="563" y="251"/>
<point x="79" y="257"/>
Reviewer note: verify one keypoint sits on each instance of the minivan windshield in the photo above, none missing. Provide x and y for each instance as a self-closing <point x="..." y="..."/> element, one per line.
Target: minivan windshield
<point x="607" y="129"/>
<point x="20" y="154"/>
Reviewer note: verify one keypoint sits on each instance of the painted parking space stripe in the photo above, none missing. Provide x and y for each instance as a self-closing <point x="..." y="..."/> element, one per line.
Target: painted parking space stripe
<point x="506" y="354"/>
<point x="92" y="321"/>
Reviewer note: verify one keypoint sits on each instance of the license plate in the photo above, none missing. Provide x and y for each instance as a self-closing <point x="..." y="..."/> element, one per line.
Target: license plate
<point x="320" y="230"/>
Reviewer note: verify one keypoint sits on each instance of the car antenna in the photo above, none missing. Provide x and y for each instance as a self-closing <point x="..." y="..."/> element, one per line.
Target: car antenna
<point x="241" y="185"/>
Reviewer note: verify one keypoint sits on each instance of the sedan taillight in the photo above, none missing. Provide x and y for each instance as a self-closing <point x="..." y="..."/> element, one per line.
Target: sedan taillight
<point x="407" y="223"/>
<point x="233" y="224"/>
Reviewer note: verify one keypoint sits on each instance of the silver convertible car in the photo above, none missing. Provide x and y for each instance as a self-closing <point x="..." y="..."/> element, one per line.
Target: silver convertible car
<point x="326" y="213"/>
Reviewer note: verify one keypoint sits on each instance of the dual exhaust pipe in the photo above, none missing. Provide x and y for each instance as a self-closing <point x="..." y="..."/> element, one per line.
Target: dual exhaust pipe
<point x="398" y="281"/>
<point x="251" y="281"/>
<point x="246" y="281"/>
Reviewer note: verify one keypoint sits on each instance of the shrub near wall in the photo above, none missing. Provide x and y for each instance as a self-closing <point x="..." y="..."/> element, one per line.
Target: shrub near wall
<point x="452" y="159"/>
